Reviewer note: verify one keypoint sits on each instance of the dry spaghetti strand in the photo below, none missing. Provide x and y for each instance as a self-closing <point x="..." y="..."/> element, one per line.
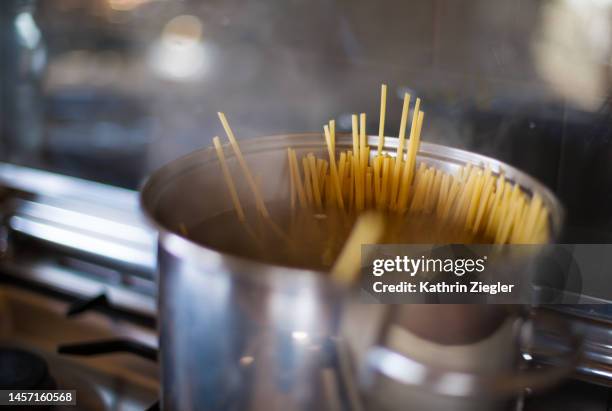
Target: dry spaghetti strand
<point x="381" y="124"/>
<point x="261" y="206"/>
<point x="228" y="180"/>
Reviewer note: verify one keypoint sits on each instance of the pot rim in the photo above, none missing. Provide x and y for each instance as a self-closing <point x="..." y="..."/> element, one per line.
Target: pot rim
<point x="183" y="247"/>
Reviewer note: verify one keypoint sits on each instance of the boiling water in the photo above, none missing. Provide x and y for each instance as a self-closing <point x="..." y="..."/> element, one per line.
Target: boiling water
<point x="308" y="240"/>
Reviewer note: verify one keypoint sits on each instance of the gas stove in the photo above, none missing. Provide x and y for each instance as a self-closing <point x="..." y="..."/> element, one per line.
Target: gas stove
<point x="77" y="304"/>
<point x="108" y="361"/>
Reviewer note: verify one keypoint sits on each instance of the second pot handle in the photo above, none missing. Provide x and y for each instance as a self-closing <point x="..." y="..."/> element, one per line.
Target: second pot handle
<point x="410" y="372"/>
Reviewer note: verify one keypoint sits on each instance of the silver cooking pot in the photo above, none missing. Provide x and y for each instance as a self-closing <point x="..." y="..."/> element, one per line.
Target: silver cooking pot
<point x="236" y="334"/>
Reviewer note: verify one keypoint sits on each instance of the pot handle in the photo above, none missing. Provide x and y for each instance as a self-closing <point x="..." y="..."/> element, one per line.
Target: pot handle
<point x="407" y="371"/>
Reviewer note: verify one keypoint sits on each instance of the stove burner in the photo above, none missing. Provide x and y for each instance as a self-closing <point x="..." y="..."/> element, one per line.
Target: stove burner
<point x="23" y="370"/>
<point x="117" y="345"/>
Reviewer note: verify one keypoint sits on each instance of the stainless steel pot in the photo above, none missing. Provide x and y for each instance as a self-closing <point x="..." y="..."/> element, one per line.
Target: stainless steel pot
<point x="236" y="334"/>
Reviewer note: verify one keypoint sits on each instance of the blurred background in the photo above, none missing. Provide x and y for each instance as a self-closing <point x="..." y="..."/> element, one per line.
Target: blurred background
<point x="109" y="90"/>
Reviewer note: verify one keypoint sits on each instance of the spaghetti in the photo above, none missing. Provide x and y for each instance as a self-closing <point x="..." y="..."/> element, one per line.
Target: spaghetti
<point x="328" y="194"/>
